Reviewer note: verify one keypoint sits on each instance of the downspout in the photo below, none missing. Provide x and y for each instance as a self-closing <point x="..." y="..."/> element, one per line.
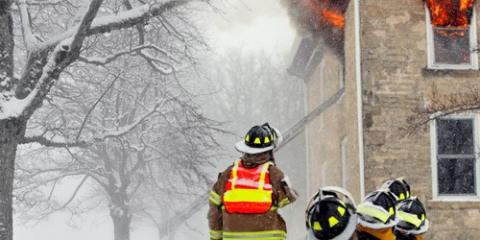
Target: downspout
<point x="358" y="75"/>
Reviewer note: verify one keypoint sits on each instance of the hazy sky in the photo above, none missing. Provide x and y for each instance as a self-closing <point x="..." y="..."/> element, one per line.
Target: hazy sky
<point x="256" y="25"/>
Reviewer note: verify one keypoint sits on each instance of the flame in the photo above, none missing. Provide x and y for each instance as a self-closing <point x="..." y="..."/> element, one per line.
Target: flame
<point x="326" y="12"/>
<point x="450" y="13"/>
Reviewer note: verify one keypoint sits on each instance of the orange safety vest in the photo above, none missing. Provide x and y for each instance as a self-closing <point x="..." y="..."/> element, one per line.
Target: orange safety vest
<point x="248" y="190"/>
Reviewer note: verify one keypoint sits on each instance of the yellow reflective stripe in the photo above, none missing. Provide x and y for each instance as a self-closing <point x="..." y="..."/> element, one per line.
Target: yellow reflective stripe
<point x="410" y="218"/>
<point x="261" y="235"/>
<point x="317" y="226"/>
<point x="215" y="198"/>
<point x="248" y="195"/>
<point x="263" y="175"/>
<point x="234" y="173"/>
<point x="373" y="212"/>
<point x="332" y="221"/>
<point x="284" y="202"/>
<point x="216" y="234"/>
<point x="341" y="210"/>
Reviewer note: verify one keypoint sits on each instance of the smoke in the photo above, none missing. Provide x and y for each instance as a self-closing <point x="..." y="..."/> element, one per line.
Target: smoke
<point x="320" y="19"/>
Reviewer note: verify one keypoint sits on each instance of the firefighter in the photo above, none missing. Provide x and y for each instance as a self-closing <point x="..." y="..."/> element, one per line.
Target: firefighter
<point x="377" y="216"/>
<point x="244" y="200"/>
<point x="331" y="215"/>
<point x="412" y="220"/>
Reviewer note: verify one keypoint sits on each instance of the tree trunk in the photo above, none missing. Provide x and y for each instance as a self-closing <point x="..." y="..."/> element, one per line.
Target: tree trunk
<point x="121" y="217"/>
<point x="11" y="130"/>
<point x="10" y="133"/>
<point x="121" y="227"/>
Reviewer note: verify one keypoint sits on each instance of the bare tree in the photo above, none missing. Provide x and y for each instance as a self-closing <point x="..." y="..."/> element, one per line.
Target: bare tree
<point x="152" y="145"/>
<point x="58" y="35"/>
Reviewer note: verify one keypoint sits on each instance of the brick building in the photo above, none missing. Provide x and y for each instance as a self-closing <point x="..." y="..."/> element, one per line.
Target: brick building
<point x="393" y="57"/>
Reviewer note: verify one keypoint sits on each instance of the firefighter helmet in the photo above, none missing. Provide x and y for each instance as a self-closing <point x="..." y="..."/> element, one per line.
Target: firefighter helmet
<point x="259" y="139"/>
<point x="399" y="188"/>
<point x="412" y="218"/>
<point x="331" y="214"/>
<point x="377" y="211"/>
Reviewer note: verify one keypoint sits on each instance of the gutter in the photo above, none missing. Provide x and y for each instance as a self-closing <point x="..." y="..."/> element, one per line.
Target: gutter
<point x="358" y="76"/>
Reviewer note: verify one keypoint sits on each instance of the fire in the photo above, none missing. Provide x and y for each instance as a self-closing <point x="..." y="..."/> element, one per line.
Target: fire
<point x="450" y="13"/>
<point x="326" y="12"/>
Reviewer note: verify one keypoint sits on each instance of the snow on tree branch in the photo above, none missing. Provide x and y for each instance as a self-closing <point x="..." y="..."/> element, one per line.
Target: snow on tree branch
<point x="63" y="54"/>
<point x="126" y="129"/>
<point x="108" y="59"/>
<point x="122" y="20"/>
<point x="50" y="143"/>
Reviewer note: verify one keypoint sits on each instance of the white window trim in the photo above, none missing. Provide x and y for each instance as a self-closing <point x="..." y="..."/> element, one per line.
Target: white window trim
<point x="433" y="143"/>
<point x="344" y="160"/>
<point x="473" y="42"/>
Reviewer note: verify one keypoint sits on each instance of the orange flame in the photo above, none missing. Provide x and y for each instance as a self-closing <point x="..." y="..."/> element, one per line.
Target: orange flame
<point x="450" y="13"/>
<point x="325" y="11"/>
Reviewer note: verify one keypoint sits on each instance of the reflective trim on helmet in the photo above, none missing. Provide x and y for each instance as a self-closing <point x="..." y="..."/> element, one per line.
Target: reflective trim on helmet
<point x="260" y="235"/>
<point x="409" y="218"/>
<point x="332" y="221"/>
<point x="215" y="198"/>
<point x="373" y="211"/>
<point x="215" y="234"/>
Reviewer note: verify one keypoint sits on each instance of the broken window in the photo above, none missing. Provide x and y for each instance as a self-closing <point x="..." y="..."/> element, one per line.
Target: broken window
<point x="451" y="34"/>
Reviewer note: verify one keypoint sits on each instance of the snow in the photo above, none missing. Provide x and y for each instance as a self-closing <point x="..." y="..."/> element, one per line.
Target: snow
<point x="119" y="18"/>
<point x="14" y="107"/>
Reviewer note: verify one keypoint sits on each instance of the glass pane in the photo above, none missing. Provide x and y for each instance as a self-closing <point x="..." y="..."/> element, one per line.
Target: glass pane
<point x="455" y="136"/>
<point x="451" y="45"/>
<point x="456" y="176"/>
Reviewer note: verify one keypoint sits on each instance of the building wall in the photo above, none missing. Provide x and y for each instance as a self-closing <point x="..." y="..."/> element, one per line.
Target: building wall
<point x="326" y="132"/>
<point x="395" y="82"/>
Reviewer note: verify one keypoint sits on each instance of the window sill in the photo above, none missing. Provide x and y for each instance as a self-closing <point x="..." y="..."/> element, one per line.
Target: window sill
<point x="431" y="72"/>
<point x="449" y="204"/>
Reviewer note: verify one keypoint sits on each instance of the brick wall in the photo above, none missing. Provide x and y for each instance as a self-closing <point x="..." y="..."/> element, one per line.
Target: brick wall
<point x="395" y="81"/>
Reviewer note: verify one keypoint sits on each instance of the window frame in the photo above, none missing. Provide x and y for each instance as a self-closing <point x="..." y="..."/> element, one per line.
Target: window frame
<point x="344" y="160"/>
<point x="434" y="163"/>
<point x="472" y="43"/>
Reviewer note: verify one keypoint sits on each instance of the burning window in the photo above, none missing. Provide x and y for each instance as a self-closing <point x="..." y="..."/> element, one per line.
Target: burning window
<point x="456" y="165"/>
<point x="451" y="34"/>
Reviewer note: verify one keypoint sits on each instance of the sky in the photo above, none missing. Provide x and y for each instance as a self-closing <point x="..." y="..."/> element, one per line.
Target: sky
<point x="256" y="25"/>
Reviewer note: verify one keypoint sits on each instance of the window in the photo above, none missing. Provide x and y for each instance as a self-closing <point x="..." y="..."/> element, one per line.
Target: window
<point x="451" y="47"/>
<point x="306" y="59"/>
<point x="454" y="158"/>
<point x="344" y="159"/>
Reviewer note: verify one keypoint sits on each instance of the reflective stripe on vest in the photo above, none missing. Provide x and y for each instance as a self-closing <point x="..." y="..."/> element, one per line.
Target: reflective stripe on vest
<point x="254" y="197"/>
<point x="260" y="235"/>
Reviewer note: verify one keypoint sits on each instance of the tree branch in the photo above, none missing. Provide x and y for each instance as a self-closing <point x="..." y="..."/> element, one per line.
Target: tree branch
<point x="49" y="143"/>
<point x="126" y="19"/>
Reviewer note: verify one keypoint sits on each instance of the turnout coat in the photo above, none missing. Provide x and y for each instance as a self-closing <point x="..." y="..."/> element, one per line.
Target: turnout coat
<point x="236" y="226"/>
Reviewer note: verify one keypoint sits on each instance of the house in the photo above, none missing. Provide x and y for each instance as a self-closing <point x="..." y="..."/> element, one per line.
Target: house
<point x="393" y="58"/>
